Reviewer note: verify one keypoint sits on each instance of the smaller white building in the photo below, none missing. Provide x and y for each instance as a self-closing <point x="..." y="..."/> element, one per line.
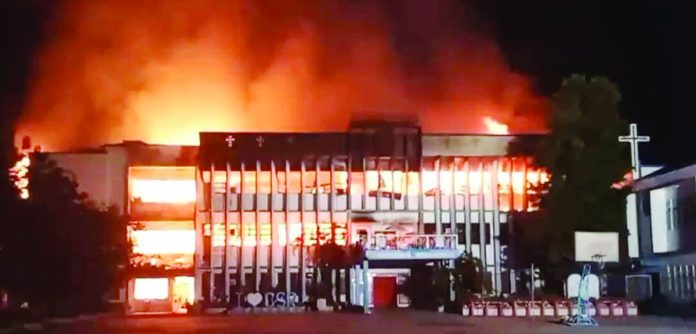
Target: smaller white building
<point x="661" y="215"/>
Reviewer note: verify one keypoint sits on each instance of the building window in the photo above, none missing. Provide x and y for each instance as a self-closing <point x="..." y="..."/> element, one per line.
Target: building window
<point x="151" y="289"/>
<point x="672" y="214"/>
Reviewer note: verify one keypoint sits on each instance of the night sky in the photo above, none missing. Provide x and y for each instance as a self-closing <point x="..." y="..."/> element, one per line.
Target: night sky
<point x="643" y="46"/>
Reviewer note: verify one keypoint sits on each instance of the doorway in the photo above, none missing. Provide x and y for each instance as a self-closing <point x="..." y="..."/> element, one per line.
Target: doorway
<point x="183" y="294"/>
<point x="384" y="291"/>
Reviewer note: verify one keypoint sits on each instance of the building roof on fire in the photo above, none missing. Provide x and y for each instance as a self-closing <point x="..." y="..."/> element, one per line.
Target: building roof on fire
<point x="402" y="141"/>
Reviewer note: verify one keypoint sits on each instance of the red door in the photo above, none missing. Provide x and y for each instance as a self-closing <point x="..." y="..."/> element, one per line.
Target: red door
<point x="384" y="291"/>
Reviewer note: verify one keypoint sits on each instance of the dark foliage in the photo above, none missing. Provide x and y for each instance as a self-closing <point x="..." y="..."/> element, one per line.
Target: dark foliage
<point x="468" y="277"/>
<point x="63" y="253"/>
<point x="420" y="288"/>
<point x="584" y="159"/>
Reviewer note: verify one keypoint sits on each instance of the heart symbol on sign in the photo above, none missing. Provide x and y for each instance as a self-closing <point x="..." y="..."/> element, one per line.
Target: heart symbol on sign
<point x="254" y="299"/>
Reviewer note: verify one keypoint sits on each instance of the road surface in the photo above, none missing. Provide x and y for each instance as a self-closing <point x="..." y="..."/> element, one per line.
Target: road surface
<point x="388" y="322"/>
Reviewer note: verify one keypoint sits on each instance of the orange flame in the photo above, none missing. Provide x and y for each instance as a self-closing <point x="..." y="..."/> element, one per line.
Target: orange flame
<point x="494" y="127"/>
<point x="19" y="173"/>
<point x="169" y="71"/>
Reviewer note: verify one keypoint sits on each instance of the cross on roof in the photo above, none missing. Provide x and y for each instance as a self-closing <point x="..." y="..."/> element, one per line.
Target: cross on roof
<point x="230" y="140"/>
<point x="633" y="139"/>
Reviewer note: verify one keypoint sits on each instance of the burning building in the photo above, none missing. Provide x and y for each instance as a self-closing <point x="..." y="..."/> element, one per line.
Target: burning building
<point x="244" y="211"/>
<point x="249" y="209"/>
<point x="155" y="187"/>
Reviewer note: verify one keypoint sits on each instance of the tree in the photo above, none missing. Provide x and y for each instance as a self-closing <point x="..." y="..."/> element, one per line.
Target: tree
<point x="584" y="158"/>
<point x="329" y="258"/>
<point x="65" y="253"/>
<point x="468" y="277"/>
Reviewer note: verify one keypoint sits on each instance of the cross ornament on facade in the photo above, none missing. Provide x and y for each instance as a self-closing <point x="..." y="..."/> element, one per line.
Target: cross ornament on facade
<point x="634" y="139"/>
<point x="230" y="140"/>
<point x="260" y="141"/>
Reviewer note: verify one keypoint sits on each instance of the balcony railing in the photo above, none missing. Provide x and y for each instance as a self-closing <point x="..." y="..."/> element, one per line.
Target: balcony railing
<point x="413" y="242"/>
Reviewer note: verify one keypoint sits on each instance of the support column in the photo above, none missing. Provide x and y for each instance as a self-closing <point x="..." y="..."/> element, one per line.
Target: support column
<point x="365" y="190"/>
<point x="257" y="248"/>
<point x="438" y="196"/>
<point x="288" y="246"/>
<point x="332" y="196"/>
<point x="331" y="199"/>
<point x="274" y="228"/>
<point x="407" y="206"/>
<point x="226" y="256"/>
<point x="467" y="208"/>
<point x="453" y="198"/>
<point x="495" y="228"/>
<point x="393" y="184"/>
<point x="349" y="202"/>
<point x="693" y="279"/>
<point x="512" y="260"/>
<point x="200" y="248"/>
<point x="317" y="202"/>
<point x="366" y="287"/>
<point x="242" y="231"/>
<point x="211" y="292"/>
<point x="421" y="194"/>
<point x="378" y="198"/>
<point x="353" y="279"/>
<point x="481" y="216"/>
<point x="303" y="265"/>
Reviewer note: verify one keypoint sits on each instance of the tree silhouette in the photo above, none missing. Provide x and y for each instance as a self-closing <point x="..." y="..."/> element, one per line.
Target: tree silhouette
<point x="584" y="159"/>
<point x="64" y="251"/>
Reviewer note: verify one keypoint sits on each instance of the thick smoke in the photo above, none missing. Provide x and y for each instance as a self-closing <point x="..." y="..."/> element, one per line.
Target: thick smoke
<point x="161" y="71"/>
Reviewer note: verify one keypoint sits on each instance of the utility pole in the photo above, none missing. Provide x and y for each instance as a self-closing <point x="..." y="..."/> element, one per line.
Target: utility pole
<point x="532" y="279"/>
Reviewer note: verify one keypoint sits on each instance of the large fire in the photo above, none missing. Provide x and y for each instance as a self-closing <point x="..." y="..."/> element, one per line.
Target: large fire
<point x="494" y="127"/>
<point x="162" y="71"/>
<point x="19" y="174"/>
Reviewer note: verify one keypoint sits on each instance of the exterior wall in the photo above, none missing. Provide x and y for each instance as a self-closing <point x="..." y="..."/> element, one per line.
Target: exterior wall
<point x="447" y="196"/>
<point x="632" y="215"/>
<point x="466" y="146"/>
<point x="102" y="175"/>
<point x="666" y="223"/>
<point x="666" y="230"/>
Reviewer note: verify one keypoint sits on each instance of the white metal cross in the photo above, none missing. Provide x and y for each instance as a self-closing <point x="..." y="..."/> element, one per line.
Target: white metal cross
<point x="230" y="140"/>
<point x="260" y="140"/>
<point x="634" y="139"/>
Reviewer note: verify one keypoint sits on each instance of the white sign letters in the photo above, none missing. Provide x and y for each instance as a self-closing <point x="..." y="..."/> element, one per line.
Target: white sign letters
<point x="269" y="299"/>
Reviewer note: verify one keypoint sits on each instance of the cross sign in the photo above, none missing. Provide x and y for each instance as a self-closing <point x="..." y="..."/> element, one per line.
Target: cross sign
<point x="633" y="139"/>
<point x="230" y="140"/>
<point x="260" y="140"/>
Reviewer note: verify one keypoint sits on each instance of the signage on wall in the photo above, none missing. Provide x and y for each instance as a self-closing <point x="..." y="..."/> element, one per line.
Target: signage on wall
<point x="269" y="299"/>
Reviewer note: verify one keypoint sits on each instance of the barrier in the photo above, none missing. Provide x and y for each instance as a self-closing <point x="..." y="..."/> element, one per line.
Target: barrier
<point x="477" y="309"/>
<point x="603" y="309"/>
<point x="631" y="309"/>
<point x="617" y="308"/>
<point x="534" y="309"/>
<point x="547" y="309"/>
<point x="519" y="308"/>
<point x="506" y="309"/>
<point x="492" y="309"/>
<point x="562" y="308"/>
<point x="466" y="311"/>
<point x="592" y="310"/>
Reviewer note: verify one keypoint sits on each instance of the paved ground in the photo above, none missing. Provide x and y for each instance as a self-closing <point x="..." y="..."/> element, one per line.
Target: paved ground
<point x="394" y="322"/>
